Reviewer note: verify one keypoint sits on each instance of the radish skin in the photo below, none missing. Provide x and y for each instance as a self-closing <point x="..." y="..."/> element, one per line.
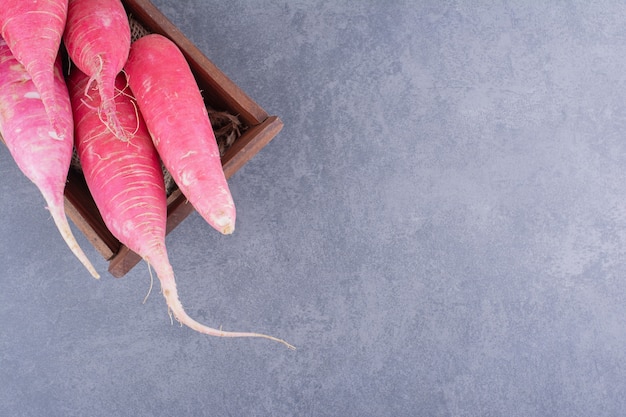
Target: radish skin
<point x="126" y="182"/>
<point x="97" y="38"/>
<point x="177" y="119"/>
<point x="33" y="31"/>
<point x="32" y="142"/>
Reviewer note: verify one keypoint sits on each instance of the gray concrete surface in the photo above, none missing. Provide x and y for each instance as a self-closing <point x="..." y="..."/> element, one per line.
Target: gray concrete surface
<point x="440" y="228"/>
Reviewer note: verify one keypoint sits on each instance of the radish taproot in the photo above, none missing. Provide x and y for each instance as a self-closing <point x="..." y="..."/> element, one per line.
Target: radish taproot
<point x="97" y="39"/>
<point x="126" y="182"/>
<point x="33" y="31"/>
<point x="32" y="142"/>
<point x="177" y="119"/>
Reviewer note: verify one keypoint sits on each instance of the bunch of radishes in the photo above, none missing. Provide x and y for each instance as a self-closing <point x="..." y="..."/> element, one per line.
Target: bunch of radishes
<point x="125" y="109"/>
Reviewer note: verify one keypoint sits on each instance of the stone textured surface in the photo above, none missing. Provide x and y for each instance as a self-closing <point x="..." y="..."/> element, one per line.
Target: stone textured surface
<point x="440" y="228"/>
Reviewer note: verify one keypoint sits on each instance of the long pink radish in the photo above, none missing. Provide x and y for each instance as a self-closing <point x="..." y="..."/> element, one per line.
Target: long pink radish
<point x="126" y="182"/>
<point x="97" y="39"/>
<point x="171" y="103"/>
<point x="35" y="147"/>
<point x="33" y="30"/>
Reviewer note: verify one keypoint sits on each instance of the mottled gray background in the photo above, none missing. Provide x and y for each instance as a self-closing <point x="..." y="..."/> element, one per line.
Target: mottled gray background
<point x="440" y="228"/>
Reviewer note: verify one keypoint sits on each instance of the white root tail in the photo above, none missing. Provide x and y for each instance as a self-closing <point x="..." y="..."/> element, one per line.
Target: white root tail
<point x="60" y="220"/>
<point x="168" y="287"/>
<point x="179" y="313"/>
<point x="107" y="109"/>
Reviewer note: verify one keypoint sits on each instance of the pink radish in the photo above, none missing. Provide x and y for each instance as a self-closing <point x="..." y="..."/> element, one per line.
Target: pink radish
<point x="35" y="147"/>
<point x="170" y="101"/>
<point x="126" y="182"/>
<point x="97" y="38"/>
<point x="33" y="30"/>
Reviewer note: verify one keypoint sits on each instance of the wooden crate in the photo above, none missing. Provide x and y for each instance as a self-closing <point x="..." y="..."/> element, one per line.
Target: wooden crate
<point x="221" y="94"/>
